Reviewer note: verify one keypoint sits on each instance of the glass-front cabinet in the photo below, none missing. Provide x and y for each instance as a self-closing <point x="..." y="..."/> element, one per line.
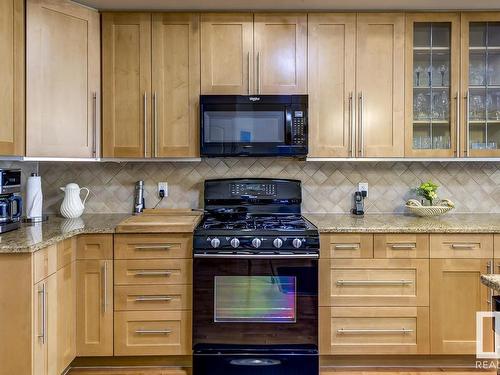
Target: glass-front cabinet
<point x="481" y="85"/>
<point x="432" y="92"/>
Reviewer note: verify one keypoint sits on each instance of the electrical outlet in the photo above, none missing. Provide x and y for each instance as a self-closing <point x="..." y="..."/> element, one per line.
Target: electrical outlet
<point x="162" y="189"/>
<point x="363" y="187"/>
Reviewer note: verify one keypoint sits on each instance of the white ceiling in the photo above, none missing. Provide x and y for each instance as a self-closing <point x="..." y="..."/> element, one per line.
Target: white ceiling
<point x="291" y="4"/>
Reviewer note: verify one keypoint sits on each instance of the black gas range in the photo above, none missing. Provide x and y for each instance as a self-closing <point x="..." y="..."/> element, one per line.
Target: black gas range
<point x="255" y="281"/>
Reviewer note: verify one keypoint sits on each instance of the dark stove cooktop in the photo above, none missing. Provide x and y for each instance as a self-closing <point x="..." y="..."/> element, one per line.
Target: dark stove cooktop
<point x="258" y="223"/>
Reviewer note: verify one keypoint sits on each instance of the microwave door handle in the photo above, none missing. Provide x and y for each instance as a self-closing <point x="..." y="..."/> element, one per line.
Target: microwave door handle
<point x="288" y="128"/>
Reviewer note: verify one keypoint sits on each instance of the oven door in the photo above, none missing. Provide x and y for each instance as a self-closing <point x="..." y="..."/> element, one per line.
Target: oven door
<point x="241" y="302"/>
<point x="245" y="129"/>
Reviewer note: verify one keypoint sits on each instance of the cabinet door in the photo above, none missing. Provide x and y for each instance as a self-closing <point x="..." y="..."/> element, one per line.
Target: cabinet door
<point x="227" y="53"/>
<point x="432" y="76"/>
<point x="94" y="308"/>
<point x="380" y="84"/>
<point x="40" y="328"/>
<point x="66" y="316"/>
<point x="52" y="318"/>
<point x="280" y="44"/>
<point x="331" y="78"/>
<point x="12" y="73"/>
<point x="456" y="294"/>
<point x="480" y="84"/>
<point x="176" y="85"/>
<point x="126" y="64"/>
<point x="63" y="75"/>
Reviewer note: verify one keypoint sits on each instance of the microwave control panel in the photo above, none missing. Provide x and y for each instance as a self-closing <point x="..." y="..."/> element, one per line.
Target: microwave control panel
<point x="298" y="126"/>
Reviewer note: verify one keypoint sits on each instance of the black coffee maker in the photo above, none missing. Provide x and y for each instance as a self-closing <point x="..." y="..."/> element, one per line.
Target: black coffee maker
<point x="11" y="203"/>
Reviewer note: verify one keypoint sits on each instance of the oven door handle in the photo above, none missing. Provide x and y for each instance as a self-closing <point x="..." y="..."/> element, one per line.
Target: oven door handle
<point x="257" y="362"/>
<point x="258" y="256"/>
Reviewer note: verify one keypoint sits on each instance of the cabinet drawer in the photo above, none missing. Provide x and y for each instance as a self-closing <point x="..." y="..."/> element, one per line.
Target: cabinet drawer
<point x="44" y="263"/>
<point x="461" y="246"/>
<point x="374" y="282"/>
<point x="375" y="330"/>
<point x="158" y="271"/>
<point x="153" y="246"/>
<point x="401" y="246"/>
<point x="153" y="297"/>
<point x="347" y="246"/>
<point x="94" y="246"/>
<point x="152" y="333"/>
<point x="66" y="252"/>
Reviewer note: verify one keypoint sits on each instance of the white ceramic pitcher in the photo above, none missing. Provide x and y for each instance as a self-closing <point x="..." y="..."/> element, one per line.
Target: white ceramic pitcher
<point x="72" y="205"/>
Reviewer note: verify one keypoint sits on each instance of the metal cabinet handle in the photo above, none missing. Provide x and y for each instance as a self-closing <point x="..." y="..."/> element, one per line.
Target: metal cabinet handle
<point x="403" y="246"/>
<point x="153" y="247"/>
<point x="258" y="72"/>
<point x="154" y="141"/>
<point x="462" y="246"/>
<point x="374" y="282"/>
<point x="467" y="124"/>
<point x="153" y="298"/>
<point x="489" y="269"/>
<point x="248" y="72"/>
<point x="351" y="125"/>
<point x="145" y="123"/>
<point x="347" y="246"/>
<point x="94" y="124"/>
<point x="104" y="273"/>
<point x="369" y="330"/>
<point x="153" y="331"/>
<point x="42" y="292"/>
<point x="361" y="130"/>
<point x="153" y="273"/>
<point x="457" y="98"/>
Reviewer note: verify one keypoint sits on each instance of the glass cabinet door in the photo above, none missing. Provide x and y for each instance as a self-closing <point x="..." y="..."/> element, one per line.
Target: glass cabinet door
<point x="482" y="87"/>
<point x="432" y="77"/>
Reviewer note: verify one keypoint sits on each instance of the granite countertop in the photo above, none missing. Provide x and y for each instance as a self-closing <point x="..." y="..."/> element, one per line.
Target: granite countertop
<point x="399" y="223"/>
<point x="33" y="237"/>
<point x="491" y="281"/>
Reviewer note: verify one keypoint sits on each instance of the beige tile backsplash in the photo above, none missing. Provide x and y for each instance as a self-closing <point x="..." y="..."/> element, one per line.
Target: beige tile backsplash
<point x="327" y="186"/>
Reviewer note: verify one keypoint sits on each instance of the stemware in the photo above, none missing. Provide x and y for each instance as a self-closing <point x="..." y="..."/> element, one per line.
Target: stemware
<point x="418" y="71"/>
<point x="442" y="69"/>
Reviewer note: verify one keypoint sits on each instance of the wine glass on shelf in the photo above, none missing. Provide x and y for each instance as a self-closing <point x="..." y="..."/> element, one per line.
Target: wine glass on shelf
<point x="418" y="71"/>
<point x="429" y="74"/>
<point x="442" y="69"/>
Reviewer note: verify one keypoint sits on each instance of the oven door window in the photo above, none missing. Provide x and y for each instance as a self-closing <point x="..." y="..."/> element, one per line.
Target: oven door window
<point x="255" y="299"/>
<point x="244" y="126"/>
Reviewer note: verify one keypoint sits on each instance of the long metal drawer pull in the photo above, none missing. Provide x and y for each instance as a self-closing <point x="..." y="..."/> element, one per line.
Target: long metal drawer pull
<point x="105" y="287"/>
<point x="374" y="282"/>
<point x="153" y="273"/>
<point x="489" y="269"/>
<point x="369" y="330"/>
<point x="153" y="331"/>
<point x="347" y="246"/>
<point x="153" y="298"/>
<point x="405" y="246"/>
<point x="361" y="125"/>
<point x="352" y="145"/>
<point x="145" y="123"/>
<point x="153" y="247"/>
<point x="44" y="314"/>
<point x="462" y="246"/>
<point x="94" y="124"/>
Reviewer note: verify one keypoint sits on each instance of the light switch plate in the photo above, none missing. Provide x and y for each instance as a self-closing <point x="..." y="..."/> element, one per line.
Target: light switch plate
<point x="163" y="186"/>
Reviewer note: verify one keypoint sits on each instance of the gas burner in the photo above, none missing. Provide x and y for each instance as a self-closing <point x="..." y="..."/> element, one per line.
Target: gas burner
<point x="260" y="222"/>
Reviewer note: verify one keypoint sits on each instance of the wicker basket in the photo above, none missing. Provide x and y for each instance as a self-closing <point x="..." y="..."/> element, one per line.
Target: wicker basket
<point x="426" y="211"/>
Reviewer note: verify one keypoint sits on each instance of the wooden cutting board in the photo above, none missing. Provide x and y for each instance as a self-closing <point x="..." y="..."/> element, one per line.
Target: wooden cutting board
<point x="164" y="221"/>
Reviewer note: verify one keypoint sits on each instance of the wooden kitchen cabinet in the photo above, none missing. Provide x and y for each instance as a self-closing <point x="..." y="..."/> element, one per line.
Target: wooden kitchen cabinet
<point x="12" y="73"/>
<point x="380" y="84"/>
<point x="227" y="57"/>
<point x="126" y="96"/>
<point x="94" y="305"/>
<point x="63" y="75"/>
<point x="346" y="245"/>
<point x="456" y="294"/>
<point x="280" y="47"/>
<point x="432" y="84"/>
<point x="331" y="81"/>
<point x="176" y="84"/>
<point x="466" y="246"/>
<point x="401" y="245"/>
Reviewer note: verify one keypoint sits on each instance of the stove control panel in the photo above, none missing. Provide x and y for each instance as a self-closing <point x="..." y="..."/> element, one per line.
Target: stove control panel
<point x="266" y="190"/>
<point x="252" y="243"/>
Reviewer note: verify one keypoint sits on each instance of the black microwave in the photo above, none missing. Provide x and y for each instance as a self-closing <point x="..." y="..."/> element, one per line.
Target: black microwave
<point x="258" y="125"/>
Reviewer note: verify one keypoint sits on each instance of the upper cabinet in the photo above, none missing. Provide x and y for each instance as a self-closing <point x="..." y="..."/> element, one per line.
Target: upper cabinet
<point x="253" y="54"/>
<point x="151" y="85"/>
<point x="63" y="80"/>
<point x="12" y="73"/>
<point x="432" y="91"/>
<point x="227" y="54"/>
<point x="480" y="85"/>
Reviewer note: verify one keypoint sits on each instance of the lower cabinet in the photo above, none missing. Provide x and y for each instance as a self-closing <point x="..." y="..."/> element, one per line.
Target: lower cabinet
<point x="374" y="330"/>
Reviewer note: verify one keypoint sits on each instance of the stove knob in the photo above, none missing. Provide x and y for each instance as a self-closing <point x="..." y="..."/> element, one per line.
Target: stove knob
<point x="256" y="242"/>
<point x="235" y="242"/>
<point x="215" y="243"/>
<point x="297" y="243"/>
<point x="278" y="242"/>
